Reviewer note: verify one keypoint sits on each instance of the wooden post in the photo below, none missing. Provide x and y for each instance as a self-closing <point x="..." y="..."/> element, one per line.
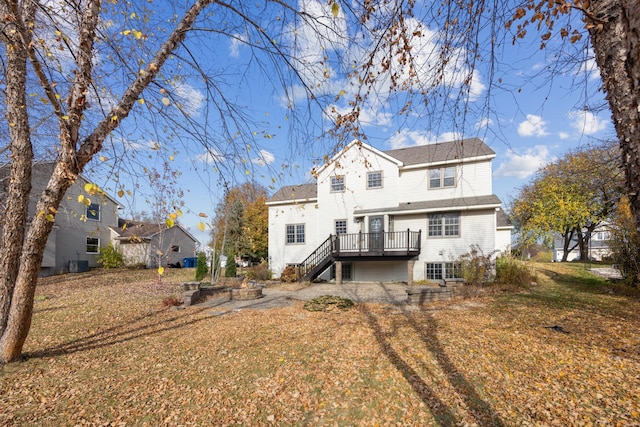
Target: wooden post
<point x="338" y="272"/>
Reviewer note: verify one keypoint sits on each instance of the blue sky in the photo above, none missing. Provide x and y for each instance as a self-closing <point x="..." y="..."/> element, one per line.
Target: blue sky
<point x="526" y="118"/>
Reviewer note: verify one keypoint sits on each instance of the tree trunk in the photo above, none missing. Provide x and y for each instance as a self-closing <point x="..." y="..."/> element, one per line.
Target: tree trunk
<point x="19" y="180"/>
<point x="615" y="37"/>
<point x="21" y="308"/>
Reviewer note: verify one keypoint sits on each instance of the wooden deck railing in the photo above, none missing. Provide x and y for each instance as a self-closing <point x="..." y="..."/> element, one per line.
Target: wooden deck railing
<point x="384" y="244"/>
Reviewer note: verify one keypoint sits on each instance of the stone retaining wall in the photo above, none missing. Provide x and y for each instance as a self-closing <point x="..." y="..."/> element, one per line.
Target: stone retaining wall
<point x="193" y="293"/>
<point x="419" y="295"/>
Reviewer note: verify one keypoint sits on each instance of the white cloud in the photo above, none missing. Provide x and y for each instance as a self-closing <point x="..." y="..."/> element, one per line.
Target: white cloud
<point x="211" y="156"/>
<point x="590" y="67"/>
<point x="563" y="135"/>
<point x="586" y="123"/>
<point x="533" y="126"/>
<point x="264" y="158"/>
<point x="234" y="46"/>
<point x="483" y="123"/>
<point x="189" y="99"/>
<point x="368" y="116"/>
<point x="523" y="165"/>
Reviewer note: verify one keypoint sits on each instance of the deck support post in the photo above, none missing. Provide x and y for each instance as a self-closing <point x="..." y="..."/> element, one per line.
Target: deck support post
<point x="410" y="264"/>
<point x="338" y="272"/>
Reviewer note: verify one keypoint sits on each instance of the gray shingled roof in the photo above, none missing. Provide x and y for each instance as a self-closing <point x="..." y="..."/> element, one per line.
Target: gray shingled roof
<point x="460" y="202"/>
<point x="503" y="220"/>
<point x="440" y="152"/>
<point x="295" y="192"/>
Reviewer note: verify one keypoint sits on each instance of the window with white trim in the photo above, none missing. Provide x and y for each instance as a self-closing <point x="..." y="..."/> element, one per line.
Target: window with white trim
<point x="337" y="184"/>
<point x="442" y="270"/>
<point x="442" y="177"/>
<point x="295" y="234"/>
<point x="93" y="212"/>
<point x="374" y="180"/>
<point x="341" y="226"/>
<point x="444" y="225"/>
<point x="93" y="245"/>
<point x="175" y="248"/>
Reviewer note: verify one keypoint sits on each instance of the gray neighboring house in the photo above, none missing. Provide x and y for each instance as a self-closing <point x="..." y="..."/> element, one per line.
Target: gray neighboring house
<point x="153" y="245"/>
<point x="79" y="230"/>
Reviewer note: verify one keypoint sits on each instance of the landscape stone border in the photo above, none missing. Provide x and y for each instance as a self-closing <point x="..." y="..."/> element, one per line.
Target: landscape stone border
<point x="194" y="292"/>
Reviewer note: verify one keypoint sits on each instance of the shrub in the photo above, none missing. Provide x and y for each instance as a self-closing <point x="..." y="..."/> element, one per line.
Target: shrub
<point x="476" y="267"/>
<point x="110" y="257"/>
<point x="230" y="267"/>
<point x="510" y="271"/>
<point x="289" y="274"/>
<point x="259" y="272"/>
<point x="201" y="266"/>
<point x="624" y="244"/>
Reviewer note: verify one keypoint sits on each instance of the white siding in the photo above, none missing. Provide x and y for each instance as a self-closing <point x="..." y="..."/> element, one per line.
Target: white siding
<point x="476" y="228"/>
<point x="354" y="165"/>
<point x="382" y="271"/>
<point x="400" y="185"/>
<point x="280" y="253"/>
<point x="472" y="179"/>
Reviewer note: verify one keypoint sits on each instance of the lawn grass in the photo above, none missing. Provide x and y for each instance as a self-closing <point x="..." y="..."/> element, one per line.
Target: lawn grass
<point x="104" y="351"/>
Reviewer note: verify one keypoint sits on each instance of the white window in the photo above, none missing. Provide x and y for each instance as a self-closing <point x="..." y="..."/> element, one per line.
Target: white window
<point x="374" y="180"/>
<point x="442" y="177"/>
<point x="175" y="248"/>
<point x="444" y="225"/>
<point x="337" y="184"/>
<point x="295" y="234"/>
<point x="442" y="270"/>
<point x="602" y="235"/>
<point x="93" y="212"/>
<point x="341" y="226"/>
<point x="93" y="245"/>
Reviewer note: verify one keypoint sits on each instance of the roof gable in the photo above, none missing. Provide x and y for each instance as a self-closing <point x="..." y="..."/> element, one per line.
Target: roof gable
<point x="357" y="144"/>
<point x="142" y="231"/>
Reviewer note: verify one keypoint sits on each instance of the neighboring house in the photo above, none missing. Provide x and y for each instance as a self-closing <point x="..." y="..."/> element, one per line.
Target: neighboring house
<point x="398" y="215"/>
<point x="153" y="245"/>
<point x="79" y="230"/>
<point x="597" y="248"/>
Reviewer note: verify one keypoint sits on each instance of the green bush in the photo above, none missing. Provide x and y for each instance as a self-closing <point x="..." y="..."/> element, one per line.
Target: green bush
<point x="201" y="266"/>
<point x="230" y="267"/>
<point x="110" y="257"/>
<point x="513" y="272"/>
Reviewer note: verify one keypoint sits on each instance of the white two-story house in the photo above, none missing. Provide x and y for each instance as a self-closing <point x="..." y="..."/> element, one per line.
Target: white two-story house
<point x="397" y="215"/>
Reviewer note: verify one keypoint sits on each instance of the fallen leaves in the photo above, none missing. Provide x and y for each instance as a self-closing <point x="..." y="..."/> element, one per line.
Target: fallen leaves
<point x="103" y="351"/>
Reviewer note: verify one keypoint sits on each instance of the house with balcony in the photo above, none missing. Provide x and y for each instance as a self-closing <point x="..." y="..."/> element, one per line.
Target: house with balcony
<point x="396" y="215"/>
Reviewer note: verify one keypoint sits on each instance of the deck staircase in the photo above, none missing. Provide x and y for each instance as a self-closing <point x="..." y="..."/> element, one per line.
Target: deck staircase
<point x="360" y="246"/>
<point x="318" y="261"/>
